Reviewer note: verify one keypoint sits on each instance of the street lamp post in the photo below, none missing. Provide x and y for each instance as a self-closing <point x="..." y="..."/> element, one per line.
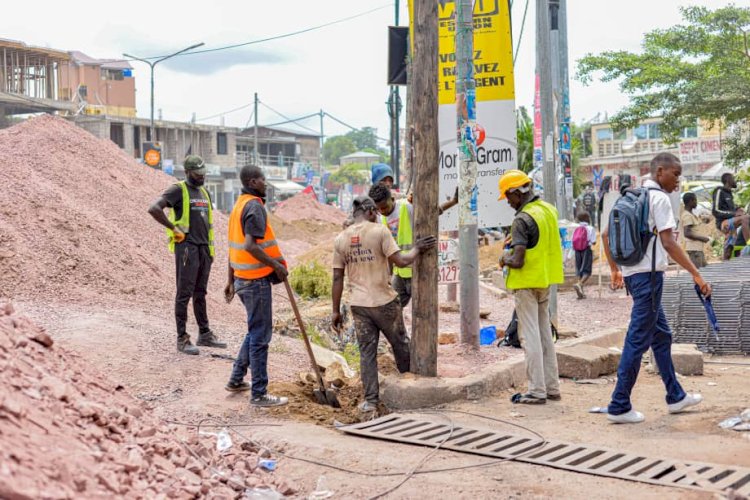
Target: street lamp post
<point x="152" y="64"/>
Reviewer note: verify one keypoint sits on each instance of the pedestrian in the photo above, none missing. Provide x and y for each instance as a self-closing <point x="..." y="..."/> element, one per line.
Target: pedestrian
<point x="588" y="200"/>
<point x="691" y="224"/>
<point x="584" y="238"/>
<point x="363" y="253"/>
<point x="398" y="216"/>
<point x="255" y="264"/>
<point x="648" y="327"/>
<point x="191" y="239"/>
<point x="722" y="204"/>
<point x="737" y="233"/>
<point x="534" y="263"/>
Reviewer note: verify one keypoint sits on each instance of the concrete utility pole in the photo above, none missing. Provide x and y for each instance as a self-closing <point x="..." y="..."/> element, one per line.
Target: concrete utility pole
<point x="467" y="173"/>
<point x="544" y="69"/>
<point x="152" y="137"/>
<point x="559" y="61"/>
<point x="256" y="153"/>
<point x="394" y="111"/>
<point x="425" y="106"/>
<point x="322" y="141"/>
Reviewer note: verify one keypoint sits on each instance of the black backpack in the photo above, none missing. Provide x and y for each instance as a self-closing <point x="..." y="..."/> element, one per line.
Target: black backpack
<point x="511" y="333"/>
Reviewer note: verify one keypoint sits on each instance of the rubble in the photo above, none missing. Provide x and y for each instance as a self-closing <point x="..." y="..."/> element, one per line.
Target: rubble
<point x="304" y="206"/>
<point x="586" y="361"/>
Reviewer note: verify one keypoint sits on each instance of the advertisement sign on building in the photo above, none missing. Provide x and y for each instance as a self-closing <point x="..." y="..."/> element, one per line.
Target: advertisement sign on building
<point x="700" y="150"/>
<point x="495" y="108"/>
<point x="152" y="154"/>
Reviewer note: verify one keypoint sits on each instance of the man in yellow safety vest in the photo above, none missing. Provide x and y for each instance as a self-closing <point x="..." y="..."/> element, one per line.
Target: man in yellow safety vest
<point x="534" y="264"/>
<point x="191" y="238"/>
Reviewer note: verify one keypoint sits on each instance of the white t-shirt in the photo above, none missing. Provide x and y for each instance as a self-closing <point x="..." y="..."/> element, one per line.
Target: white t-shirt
<point x="590" y="233"/>
<point x="661" y="217"/>
<point x="393" y="219"/>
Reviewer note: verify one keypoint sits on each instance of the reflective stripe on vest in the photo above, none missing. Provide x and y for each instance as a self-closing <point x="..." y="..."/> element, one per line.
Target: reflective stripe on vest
<point x="244" y="264"/>
<point x="543" y="264"/>
<point x="184" y="223"/>
<point x="404" y="237"/>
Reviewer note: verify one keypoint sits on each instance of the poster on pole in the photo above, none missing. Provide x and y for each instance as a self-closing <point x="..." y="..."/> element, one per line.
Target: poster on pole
<point x="495" y="108"/>
<point x="448" y="267"/>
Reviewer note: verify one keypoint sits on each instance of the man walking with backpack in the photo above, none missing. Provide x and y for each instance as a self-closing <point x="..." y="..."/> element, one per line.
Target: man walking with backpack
<point x="638" y="260"/>
<point x="583" y="238"/>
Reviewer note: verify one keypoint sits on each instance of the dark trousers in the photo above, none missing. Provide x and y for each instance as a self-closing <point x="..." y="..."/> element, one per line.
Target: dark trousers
<point x="257" y="299"/>
<point x="647" y="329"/>
<point x="368" y="323"/>
<point x="402" y="286"/>
<point x="193" y="266"/>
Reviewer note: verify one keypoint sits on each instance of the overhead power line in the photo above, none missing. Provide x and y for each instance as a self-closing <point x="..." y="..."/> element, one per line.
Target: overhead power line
<point x="224" y="113"/>
<point x="351" y="127"/>
<point x="520" y="35"/>
<point x="287" y="118"/>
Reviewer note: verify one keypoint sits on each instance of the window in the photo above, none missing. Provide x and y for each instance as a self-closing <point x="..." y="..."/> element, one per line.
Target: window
<point x="621" y="135"/>
<point x="221" y="143"/>
<point x="604" y="134"/>
<point x="116" y="134"/>
<point x="641" y="132"/>
<point x="689" y="132"/>
<point x="112" y="74"/>
<point x="653" y="131"/>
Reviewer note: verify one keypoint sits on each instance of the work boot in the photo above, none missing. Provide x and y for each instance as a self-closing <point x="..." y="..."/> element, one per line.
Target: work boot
<point x="184" y="345"/>
<point x="208" y="339"/>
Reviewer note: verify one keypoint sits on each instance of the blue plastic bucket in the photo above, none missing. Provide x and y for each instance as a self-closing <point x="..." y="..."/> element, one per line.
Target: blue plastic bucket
<point x="487" y="335"/>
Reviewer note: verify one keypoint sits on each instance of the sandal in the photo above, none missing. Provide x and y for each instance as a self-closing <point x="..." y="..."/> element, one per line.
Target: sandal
<point x="527" y="399"/>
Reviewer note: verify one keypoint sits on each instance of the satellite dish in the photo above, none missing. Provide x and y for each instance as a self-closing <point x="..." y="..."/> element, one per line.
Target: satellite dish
<point x="629" y="143"/>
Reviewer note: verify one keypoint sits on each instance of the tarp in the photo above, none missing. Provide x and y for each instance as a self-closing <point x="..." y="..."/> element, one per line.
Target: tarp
<point x="286" y="186"/>
<point x="716" y="171"/>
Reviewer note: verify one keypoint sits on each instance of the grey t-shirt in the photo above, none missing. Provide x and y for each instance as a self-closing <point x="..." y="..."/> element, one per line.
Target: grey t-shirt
<point x="525" y="231"/>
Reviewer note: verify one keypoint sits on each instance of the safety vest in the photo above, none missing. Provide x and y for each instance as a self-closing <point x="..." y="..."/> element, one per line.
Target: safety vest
<point x="243" y="263"/>
<point x="543" y="264"/>
<point x="404" y="237"/>
<point x="184" y="223"/>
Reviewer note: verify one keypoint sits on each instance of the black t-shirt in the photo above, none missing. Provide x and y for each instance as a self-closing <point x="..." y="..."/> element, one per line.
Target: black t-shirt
<point x="589" y="200"/>
<point x="254" y="219"/>
<point x="198" y="234"/>
<point x="525" y="230"/>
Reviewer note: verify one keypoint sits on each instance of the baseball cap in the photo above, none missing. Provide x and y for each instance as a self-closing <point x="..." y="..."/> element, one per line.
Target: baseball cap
<point x="195" y="163"/>
<point x="380" y="171"/>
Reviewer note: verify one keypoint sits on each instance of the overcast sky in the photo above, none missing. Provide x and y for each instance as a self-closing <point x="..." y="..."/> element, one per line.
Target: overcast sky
<point x="340" y="69"/>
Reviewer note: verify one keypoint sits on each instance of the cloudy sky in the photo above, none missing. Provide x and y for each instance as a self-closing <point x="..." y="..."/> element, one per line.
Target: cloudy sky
<point x="340" y="68"/>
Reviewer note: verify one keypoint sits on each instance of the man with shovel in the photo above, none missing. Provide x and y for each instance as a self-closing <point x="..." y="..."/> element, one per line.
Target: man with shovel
<point x="255" y="264"/>
<point x="363" y="251"/>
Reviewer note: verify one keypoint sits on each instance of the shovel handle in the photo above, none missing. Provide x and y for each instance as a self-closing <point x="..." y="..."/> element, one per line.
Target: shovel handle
<point x="304" y="334"/>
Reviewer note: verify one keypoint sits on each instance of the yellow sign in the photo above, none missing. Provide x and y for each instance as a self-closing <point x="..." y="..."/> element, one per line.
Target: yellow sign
<point x="493" y="50"/>
<point x="152" y="158"/>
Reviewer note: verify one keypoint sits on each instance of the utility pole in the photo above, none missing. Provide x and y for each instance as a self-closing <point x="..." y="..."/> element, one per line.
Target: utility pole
<point x="322" y="140"/>
<point x="559" y="62"/>
<point x="544" y="69"/>
<point x="255" y="136"/>
<point x="467" y="173"/>
<point x="394" y="111"/>
<point x="425" y="119"/>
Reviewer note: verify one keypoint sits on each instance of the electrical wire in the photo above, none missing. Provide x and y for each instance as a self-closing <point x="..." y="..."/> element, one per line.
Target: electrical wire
<point x="250" y="119"/>
<point x="347" y="125"/>
<point x="520" y="35"/>
<point x="291" y="121"/>
<point x="224" y="113"/>
<point x="287" y="118"/>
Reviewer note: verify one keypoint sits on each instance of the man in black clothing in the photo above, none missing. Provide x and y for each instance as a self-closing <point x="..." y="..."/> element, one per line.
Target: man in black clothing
<point x="723" y="207"/>
<point x="192" y="241"/>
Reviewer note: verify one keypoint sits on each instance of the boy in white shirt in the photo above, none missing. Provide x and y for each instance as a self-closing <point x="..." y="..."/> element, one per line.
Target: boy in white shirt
<point x="648" y="325"/>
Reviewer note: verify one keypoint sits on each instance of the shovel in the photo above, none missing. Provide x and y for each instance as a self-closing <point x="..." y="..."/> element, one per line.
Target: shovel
<point x="323" y="395"/>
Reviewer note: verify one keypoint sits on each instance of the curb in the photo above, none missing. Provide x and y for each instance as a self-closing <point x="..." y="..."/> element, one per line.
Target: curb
<point x="411" y="392"/>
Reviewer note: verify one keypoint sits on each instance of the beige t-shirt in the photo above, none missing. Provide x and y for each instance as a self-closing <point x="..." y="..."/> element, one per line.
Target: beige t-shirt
<point x="689" y="219"/>
<point x="363" y="250"/>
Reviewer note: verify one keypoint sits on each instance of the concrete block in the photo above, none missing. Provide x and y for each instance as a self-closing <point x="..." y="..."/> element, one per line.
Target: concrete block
<point x="498" y="280"/>
<point x="586" y="361"/>
<point x="687" y="359"/>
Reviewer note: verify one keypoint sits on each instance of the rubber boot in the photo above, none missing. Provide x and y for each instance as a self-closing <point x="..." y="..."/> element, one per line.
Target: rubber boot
<point x="184" y="345"/>
<point x="208" y="339"/>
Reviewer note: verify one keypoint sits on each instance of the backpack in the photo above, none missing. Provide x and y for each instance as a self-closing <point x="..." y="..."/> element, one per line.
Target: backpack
<point x="580" y="239"/>
<point x="629" y="232"/>
<point x="511" y="333"/>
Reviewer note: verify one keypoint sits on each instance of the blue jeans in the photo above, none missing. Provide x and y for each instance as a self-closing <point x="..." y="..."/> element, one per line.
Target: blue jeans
<point x="648" y="329"/>
<point x="256" y="296"/>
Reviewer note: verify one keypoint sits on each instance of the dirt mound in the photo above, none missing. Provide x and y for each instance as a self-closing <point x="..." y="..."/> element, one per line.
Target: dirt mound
<point x="322" y="253"/>
<point x="68" y="432"/>
<point x="74" y="224"/>
<point x="304" y="206"/>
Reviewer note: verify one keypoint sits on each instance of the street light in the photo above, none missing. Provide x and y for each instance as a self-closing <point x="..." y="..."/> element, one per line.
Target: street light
<point x="152" y="64"/>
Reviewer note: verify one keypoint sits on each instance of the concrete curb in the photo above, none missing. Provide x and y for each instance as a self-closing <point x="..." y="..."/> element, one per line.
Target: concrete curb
<point x="411" y="392"/>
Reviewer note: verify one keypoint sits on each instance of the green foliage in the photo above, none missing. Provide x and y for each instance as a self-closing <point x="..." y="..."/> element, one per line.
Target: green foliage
<point x="311" y="280"/>
<point x="315" y="336"/>
<point x="353" y="173"/>
<point x="364" y="138"/>
<point x="696" y="70"/>
<point x="351" y="355"/>
<point x="336" y="147"/>
<point x="743" y="193"/>
<point x="525" y="137"/>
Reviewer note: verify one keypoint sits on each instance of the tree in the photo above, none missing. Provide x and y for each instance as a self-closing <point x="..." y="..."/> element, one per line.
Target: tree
<point x="353" y="173"/>
<point x="696" y="70"/>
<point x="525" y="137"/>
<point x="337" y="146"/>
<point x="364" y="138"/>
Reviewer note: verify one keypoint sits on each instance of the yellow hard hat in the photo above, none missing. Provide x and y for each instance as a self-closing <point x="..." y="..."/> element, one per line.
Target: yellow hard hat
<point x="511" y="179"/>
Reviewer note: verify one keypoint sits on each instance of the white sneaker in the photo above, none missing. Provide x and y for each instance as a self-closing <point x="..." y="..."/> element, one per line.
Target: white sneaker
<point x="688" y="401"/>
<point x="631" y="417"/>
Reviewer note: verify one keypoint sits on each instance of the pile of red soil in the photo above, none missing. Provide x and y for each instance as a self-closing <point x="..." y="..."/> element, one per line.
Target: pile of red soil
<point x="74" y="224"/>
<point x="66" y="431"/>
<point x="304" y="206"/>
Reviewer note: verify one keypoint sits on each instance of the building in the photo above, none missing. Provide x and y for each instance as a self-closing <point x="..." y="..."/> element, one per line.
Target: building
<point x="102" y="86"/>
<point x="629" y="152"/>
<point x="278" y="147"/>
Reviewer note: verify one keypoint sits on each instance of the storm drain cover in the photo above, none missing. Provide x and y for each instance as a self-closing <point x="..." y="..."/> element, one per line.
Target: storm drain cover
<point x="588" y="459"/>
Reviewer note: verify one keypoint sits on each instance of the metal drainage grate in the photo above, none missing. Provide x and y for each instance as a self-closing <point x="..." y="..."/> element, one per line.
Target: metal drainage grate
<point x="576" y="457"/>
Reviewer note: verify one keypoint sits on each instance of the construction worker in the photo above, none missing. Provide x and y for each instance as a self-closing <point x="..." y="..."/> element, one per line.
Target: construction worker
<point x="364" y="251"/>
<point x="534" y="263"/>
<point x="398" y="216"/>
<point x="191" y="239"/>
<point x="255" y="264"/>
